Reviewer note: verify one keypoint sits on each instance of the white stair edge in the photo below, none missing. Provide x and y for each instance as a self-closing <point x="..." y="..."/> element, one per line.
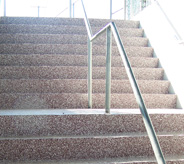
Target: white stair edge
<point x="85" y="111"/>
<point x="100" y="161"/>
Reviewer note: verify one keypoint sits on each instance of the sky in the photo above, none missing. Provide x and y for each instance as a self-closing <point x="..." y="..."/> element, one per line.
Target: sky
<point x="51" y="8"/>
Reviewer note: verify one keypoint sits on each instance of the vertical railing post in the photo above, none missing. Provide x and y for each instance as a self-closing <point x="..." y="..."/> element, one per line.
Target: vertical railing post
<point x="110" y="9"/>
<point x="89" y="73"/>
<point x="70" y="8"/>
<point x="124" y="9"/>
<point x="5" y="8"/>
<point x="108" y="72"/>
<point x="38" y="11"/>
<point x="128" y="9"/>
<point x="142" y="4"/>
<point x="73" y="9"/>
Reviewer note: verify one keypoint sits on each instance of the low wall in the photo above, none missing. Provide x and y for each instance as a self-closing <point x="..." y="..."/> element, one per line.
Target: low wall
<point x="167" y="48"/>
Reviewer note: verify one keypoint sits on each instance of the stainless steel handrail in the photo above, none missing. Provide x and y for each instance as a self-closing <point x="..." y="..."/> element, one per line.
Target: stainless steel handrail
<point x="71" y="6"/>
<point x="123" y="8"/>
<point x="4" y="7"/>
<point x="147" y="121"/>
<point x="169" y="21"/>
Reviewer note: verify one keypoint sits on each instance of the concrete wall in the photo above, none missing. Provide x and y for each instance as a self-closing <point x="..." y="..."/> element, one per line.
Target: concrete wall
<point x="166" y="46"/>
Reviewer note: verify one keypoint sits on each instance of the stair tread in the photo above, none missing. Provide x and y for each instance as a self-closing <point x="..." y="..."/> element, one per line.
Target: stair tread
<point x="91" y="112"/>
<point x="17" y="35"/>
<point x="69" y="49"/>
<point x="66" y="21"/>
<point x="75" y="72"/>
<point x="89" y="147"/>
<point x="79" y="86"/>
<point x="68" y="122"/>
<point x="172" y="159"/>
<point x="72" y="60"/>
<point x="78" y="100"/>
<point x="65" y="39"/>
<point x="62" y="29"/>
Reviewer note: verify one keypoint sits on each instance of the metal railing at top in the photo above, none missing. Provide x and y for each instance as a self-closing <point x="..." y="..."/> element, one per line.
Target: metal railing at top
<point x="4" y="8"/>
<point x="136" y="6"/>
<point x="123" y="8"/>
<point x="130" y="8"/>
<point x="112" y="29"/>
<point x="71" y="9"/>
<point x="178" y="36"/>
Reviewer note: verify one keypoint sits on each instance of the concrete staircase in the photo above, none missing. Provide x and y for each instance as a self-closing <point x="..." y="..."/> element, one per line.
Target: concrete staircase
<point x="43" y="96"/>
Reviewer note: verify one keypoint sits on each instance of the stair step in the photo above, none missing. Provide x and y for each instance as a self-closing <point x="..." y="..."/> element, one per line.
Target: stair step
<point x="61" y="29"/>
<point x="43" y="68"/>
<point x="86" y="124"/>
<point x="79" y="86"/>
<point x="132" y="160"/>
<point x="70" y="49"/>
<point x="65" y="39"/>
<point x="69" y="72"/>
<point x="128" y="101"/>
<point x="67" y="21"/>
<point x="59" y="148"/>
<point x="138" y="51"/>
<point x="72" y="60"/>
<point x="124" y="32"/>
<point x="79" y="101"/>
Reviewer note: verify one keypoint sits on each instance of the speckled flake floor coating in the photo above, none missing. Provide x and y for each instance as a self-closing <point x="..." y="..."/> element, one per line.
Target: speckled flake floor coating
<point x="43" y="67"/>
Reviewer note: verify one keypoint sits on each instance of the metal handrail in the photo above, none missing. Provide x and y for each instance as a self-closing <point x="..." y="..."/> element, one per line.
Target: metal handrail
<point x="169" y="21"/>
<point x="147" y="121"/>
<point x="71" y="6"/>
<point x="123" y="8"/>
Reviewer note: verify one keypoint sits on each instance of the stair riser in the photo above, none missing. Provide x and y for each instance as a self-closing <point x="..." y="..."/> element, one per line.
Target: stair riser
<point x="70" y="49"/>
<point x="46" y="29"/>
<point x="66" y="21"/>
<point x="72" y="125"/>
<point x="79" y="101"/>
<point x="72" y="60"/>
<point x="86" y="148"/>
<point x="79" y="86"/>
<point x="76" y="73"/>
<point x="66" y="39"/>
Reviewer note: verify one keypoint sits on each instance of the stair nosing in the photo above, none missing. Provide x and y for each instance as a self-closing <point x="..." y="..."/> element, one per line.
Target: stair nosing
<point x="100" y="136"/>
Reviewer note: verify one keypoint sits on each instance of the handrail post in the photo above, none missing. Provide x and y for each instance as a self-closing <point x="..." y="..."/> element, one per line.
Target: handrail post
<point x="89" y="73"/>
<point x="142" y="4"/>
<point x="70" y="8"/>
<point x="110" y="9"/>
<point x="124" y="9"/>
<point x="108" y="71"/>
<point x="38" y="11"/>
<point x="73" y="9"/>
<point x="5" y="8"/>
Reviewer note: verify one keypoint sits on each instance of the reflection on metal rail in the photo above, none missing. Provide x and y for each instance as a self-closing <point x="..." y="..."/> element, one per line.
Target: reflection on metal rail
<point x="111" y="28"/>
